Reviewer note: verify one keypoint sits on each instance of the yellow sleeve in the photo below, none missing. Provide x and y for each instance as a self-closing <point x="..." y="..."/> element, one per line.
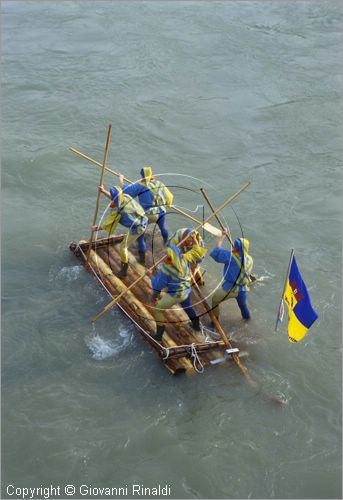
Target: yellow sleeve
<point x="196" y="253"/>
<point x="169" y="197"/>
<point x="111" y="222"/>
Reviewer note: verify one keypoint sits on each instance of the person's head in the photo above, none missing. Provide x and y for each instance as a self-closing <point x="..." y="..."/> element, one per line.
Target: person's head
<point x="116" y="195"/>
<point x="241" y="245"/>
<point x="192" y="237"/>
<point x="146" y="173"/>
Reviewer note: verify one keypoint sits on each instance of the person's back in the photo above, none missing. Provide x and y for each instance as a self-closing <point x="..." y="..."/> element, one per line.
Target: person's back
<point x="175" y="278"/>
<point x="238" y="265"/>
<point x="129" y="213"/>
<point x="153" y="196"/>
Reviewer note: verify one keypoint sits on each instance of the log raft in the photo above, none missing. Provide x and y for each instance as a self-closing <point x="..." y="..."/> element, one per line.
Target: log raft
<point x="179" y="343"/>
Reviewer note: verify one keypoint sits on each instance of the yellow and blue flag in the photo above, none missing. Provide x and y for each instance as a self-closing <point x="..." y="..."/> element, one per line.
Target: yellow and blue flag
<point x="300" y="310"/>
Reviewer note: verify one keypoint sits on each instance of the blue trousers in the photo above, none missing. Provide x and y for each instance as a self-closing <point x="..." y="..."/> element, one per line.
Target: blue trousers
<point x="221" y="295"/>
<point x="242" y="302"/>
<point x="161" y="222"/>
<point x="187" y="306"/>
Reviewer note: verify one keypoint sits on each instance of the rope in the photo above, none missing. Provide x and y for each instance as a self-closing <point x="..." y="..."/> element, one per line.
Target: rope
<point x="207" y="333"/>
<point x="196" y="359"/>
<point x="167" y="355"/>
<point x="188" y="209"/>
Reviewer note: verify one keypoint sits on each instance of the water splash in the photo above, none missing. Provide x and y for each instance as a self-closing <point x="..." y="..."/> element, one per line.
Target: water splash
<point x="103" y="348"/>
<point x="67" y="273"/>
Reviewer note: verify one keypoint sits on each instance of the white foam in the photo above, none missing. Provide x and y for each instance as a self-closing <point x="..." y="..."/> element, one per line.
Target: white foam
<point x="67" y="273"/>
<point x="103" y="349"/>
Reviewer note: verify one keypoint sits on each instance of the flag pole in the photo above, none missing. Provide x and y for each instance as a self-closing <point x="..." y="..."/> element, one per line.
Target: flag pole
<point x="284" y="288"/>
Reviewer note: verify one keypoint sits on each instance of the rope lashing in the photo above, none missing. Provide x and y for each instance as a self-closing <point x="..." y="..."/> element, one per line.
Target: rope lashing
<point x="196" y="359"/>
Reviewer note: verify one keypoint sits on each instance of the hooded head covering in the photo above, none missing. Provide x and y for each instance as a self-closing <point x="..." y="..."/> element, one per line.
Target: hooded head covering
<point x="146" y="173"/>
<point x="183" y="234"/>
<point x="242" y="245"/>
<point x="117" y="195"/>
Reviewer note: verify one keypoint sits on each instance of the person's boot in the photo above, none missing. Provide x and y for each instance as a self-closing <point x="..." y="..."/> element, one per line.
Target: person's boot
<point x="123" y="271"/>
<point x="196" y="324"/>
<point x="159" y="332"/>
<point x="141" y="258"/>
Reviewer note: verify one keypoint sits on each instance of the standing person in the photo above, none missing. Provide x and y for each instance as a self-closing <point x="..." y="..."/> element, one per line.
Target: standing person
<point x="237" y="268"/>
<point x="127" y="212"/>
<point x="175" y="278"/>
<point x="186" y="246"/>
<point x="153" y="196"/>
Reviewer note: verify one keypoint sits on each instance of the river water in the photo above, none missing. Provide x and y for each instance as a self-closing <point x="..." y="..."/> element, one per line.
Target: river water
<point x="213" y="94"/>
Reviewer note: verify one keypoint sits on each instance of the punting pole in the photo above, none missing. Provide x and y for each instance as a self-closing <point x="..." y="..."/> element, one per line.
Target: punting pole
<point x="273" y="399"/>
<point x="284" y="289"/>
<point x="203" y="192"/>
<point x="220" y="330"/>
<point x="250" y="277"/>
<point x="208" y="227"/>
<point x="98" y="196"/>
<point x="229" y="200"/>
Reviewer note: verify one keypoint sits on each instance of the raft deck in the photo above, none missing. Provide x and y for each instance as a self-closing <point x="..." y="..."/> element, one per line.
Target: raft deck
<point x="179" y="343"/>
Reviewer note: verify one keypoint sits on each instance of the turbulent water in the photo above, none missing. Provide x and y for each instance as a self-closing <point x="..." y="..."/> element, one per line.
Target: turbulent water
<point x="216" y="94"/>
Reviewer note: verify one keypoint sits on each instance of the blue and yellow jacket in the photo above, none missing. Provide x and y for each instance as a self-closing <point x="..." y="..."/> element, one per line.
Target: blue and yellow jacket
<point x="175" y="272"/>
<point x="153" y="195"/>
<point x="238" y="265"/>
<point x="125" y="211"/>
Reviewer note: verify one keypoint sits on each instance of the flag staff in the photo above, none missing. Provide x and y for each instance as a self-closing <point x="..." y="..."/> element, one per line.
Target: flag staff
<point x="284" y="289"/>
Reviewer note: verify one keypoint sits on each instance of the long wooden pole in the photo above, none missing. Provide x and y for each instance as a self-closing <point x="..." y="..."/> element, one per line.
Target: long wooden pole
<point x="220" y="330"/>
<point x="208" y="227"/>
<point x="98" y="195"/>
<point x="251" y="277"/>
<point x="284" y="288"/>
<point x="229" y="200"/>
<point x="203" y="192"/>
<point x="273" y="399"/>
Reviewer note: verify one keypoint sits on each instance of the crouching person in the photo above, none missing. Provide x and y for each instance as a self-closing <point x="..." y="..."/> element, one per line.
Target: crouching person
<point x="127" y="212"/>
<point x="174" y="277"/>
<point x="181" y="235"/>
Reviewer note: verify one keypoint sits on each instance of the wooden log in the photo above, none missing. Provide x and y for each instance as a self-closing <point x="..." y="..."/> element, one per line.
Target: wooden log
<point x="178" y="359"/>
<point x="174" y="334"/>
<point x="134" y="307"/>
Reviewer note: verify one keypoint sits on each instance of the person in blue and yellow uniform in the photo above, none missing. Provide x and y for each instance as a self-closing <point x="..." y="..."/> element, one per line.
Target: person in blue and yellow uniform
<point x="127" y="212"/>
<point x="237" y="268"/>
<point x="153" y="196"/>
<point x="186" y="246"/>
<point x="174" y="277"/>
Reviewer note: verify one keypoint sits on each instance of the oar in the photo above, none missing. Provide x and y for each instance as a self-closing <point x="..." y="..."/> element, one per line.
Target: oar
<point x="208" y="227"/>
<point x="115" y="300"/>
<point x="220" y="330"/>
<point x="98" y="196"/>
<point x="251" y="277"/>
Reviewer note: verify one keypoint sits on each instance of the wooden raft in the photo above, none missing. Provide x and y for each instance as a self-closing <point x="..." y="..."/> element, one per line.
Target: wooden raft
<point x="104" y="261"/>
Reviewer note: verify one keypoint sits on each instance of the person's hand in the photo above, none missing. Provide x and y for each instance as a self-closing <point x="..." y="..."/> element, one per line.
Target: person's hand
<point x="101" y="188"/>
<point x="95" y="228"/>
<point x="121" y="179"/>
<point x="225" y="232"/>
